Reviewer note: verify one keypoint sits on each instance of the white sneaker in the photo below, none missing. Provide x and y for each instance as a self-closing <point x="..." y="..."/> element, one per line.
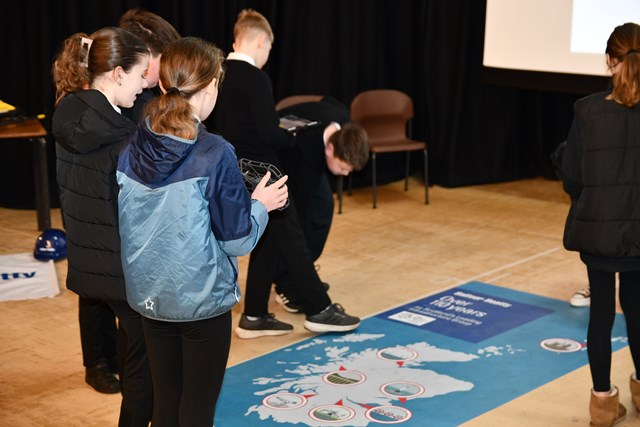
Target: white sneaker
<point x="581" y="298"/>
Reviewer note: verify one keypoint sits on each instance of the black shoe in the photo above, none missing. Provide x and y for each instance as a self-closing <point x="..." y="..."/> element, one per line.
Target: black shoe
<point x="264" y="326"/>
<point x="332" y="319"/>
<point x="101" y="379"/>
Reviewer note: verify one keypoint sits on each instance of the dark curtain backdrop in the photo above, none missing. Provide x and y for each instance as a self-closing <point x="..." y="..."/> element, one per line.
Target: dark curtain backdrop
<point x="430" y="49"/>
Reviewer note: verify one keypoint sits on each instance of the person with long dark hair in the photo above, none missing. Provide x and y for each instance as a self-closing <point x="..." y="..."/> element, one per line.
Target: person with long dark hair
<point x="601" y="168"/>
<point x="95" y="76"/>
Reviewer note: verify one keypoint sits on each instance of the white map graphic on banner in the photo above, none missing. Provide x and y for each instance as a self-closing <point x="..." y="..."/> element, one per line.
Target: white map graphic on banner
<point x="359" y="388"/>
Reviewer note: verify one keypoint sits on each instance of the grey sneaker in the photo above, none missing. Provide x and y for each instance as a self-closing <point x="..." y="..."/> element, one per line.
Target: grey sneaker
<point x="332" y="319"/>
<point x="264" y="326"/>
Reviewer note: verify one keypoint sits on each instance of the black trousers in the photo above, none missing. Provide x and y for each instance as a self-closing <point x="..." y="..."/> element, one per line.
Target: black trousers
<point x="283" y="240"/>
<point x="601" y="318"/>
<point x="98" y="332"/>
<point x="315" y="219"/>
<point x="188" y="361"/>
<point x="135" y="375"/>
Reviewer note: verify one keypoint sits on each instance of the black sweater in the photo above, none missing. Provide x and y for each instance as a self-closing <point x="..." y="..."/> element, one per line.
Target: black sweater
<point x="306" y="162"/>
<point x="245" y="114"/>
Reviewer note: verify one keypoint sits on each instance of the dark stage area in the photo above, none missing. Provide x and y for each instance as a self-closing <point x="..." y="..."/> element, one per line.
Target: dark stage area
<point x="478" y="130"/>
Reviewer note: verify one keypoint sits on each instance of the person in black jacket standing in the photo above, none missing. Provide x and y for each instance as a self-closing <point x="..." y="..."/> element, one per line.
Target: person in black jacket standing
<point x="245" y="115"/>
<point x="98" y="329"/>
<point x="601" y="173"/>
<point x="94" y="77"/>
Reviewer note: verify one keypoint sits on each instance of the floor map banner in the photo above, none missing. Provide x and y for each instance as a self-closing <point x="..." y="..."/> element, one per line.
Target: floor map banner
<point x="438" y="361"/>
<point x="465" y="314"/>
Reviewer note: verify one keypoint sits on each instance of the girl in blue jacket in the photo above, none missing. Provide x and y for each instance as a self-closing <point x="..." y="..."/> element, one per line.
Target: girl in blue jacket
<point x="185" y="215"/>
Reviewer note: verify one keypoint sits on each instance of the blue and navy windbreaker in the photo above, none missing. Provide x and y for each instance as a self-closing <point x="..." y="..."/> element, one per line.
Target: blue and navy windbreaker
<point x="185" y="215"/>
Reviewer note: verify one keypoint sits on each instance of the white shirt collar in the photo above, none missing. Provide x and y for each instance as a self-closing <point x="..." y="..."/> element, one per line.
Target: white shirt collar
<point x="241" y="57"/>
<point x="326" y="137"/>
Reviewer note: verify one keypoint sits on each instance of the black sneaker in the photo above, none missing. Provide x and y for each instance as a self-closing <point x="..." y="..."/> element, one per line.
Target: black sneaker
<point x="264" y="326"/>
<point x="332" y="319"/>
<point x="288" y="303"/>
<point x="101" y="379"/>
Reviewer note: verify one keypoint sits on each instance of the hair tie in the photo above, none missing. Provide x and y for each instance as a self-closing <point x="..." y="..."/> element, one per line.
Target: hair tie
<point x="85" y="43"/>
<point x="174" y="90"/>
<point x="633" y="51"/>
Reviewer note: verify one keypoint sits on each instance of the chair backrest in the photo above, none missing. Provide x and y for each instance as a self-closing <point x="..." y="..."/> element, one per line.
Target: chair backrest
<point x="296" y="99"/>
<point x="383" y="113"/>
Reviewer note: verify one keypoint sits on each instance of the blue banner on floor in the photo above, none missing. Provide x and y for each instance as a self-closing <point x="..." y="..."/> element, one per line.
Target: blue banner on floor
<point x="438" y="361"/>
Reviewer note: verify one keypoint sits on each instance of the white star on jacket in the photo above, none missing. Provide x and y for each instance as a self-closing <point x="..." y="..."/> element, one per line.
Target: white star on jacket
<point x="148" y="304"/>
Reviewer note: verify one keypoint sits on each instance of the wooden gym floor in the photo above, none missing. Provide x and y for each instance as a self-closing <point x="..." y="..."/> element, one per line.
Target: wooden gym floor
<point x="506" y="234"/>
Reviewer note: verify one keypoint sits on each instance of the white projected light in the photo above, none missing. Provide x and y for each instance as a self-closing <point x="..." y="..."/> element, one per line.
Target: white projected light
<point x="593" y="21"/>
<point x="558" y="36"/>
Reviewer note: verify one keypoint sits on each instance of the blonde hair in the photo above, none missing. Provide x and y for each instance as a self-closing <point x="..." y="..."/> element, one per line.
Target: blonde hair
<point x="623" y="48"/>
<point x="250" y="24"/>
<point x="187" y="66"/>
<point x="78" y="64"/>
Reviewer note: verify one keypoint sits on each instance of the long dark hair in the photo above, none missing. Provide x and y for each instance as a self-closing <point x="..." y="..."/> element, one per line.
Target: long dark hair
<point x="79" y="62"/>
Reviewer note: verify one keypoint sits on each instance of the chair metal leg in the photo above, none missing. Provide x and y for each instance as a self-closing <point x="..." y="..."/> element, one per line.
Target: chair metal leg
<point x="373" y="173"/>
<point x="426" y="177"/>
<point x="339" y="186"/>
<point x="406" y="172"/>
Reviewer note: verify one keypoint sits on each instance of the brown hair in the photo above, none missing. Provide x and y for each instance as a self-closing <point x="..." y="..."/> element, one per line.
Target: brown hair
<point x="351" y="145"/>
<point x="78" y="64"/>
<point x="152" y="29"/>
<point x="623" y="48"/>
<point x="186" y="67"/>
<point x="250" y="23"/>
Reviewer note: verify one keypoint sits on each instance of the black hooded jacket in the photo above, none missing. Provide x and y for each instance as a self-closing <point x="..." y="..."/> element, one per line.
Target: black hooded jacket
<point x="89" y="135"/>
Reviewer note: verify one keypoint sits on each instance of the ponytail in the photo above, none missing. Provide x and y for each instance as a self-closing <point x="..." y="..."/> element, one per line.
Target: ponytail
<point x="626" y="81"/>
<point x="171" y="114"/>
<point x="187" y="66"/>
<point x="69" y="73"/>
<point x="623" y="52"/>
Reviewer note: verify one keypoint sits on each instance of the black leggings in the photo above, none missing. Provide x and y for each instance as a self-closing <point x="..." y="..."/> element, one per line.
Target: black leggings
<point x="601" y="318"/>
<point x="188" y="361"/>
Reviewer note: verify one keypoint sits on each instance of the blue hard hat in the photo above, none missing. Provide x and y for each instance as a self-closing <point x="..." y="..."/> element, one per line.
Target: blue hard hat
<point x="51" y="244"/>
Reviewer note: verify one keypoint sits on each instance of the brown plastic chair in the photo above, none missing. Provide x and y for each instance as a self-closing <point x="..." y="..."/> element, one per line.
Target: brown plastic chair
<point x="296" y="99"/>
<point x="386" y="116"/>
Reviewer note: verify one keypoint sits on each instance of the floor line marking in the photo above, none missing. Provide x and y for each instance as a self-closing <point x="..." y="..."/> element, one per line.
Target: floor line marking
<point x="513" y="264"/>
<point x="473" y="278"/>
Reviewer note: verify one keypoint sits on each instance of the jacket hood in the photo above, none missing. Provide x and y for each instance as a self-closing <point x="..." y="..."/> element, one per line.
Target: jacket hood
<point x="157" y="156"/>
<point x="85" y="121"/>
